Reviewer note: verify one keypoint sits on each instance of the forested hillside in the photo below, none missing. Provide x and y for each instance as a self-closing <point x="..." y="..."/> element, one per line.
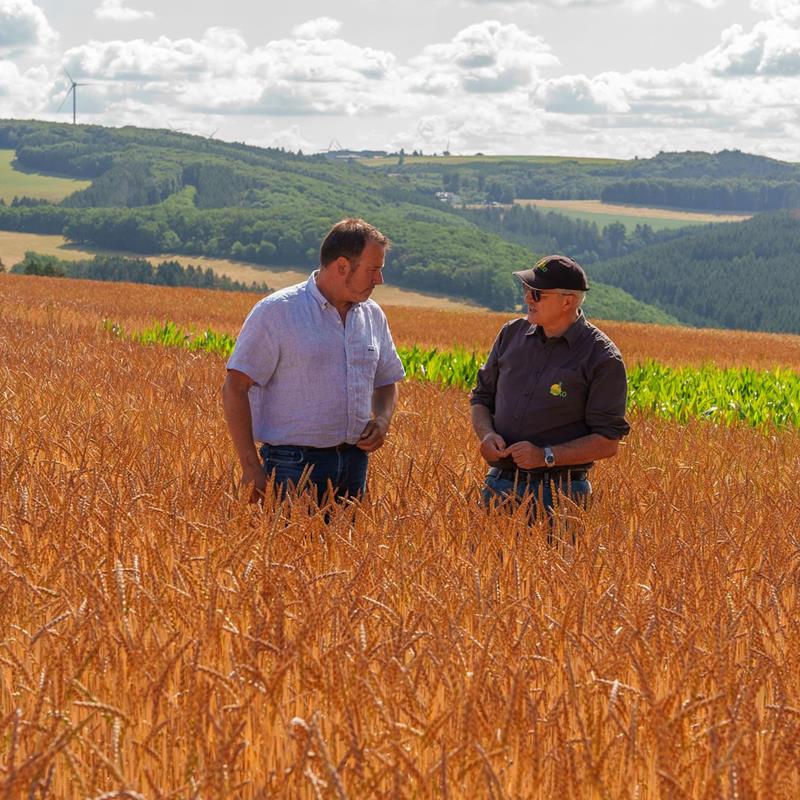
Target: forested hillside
<point x="547" y="231"/>
<point x="154" y="192"/>
<point x="744" y="275"/>
<point x="726" y="181"/>
<point x="160" y="191"/>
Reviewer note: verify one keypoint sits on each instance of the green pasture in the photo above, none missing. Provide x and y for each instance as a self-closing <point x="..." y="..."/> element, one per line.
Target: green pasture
<point x="760" y="398"/>
<point x="386" y="161"/>
<point x="16" y="182"/>
<point x="630" y="221"/>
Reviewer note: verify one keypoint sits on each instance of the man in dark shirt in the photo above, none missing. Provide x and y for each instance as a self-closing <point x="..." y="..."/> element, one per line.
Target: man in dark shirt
<point x="550" y="399"/>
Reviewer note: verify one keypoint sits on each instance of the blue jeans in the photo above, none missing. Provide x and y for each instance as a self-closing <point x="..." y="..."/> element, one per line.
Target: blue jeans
<point x="503" y="491"/>
<point x="345" y="470"/>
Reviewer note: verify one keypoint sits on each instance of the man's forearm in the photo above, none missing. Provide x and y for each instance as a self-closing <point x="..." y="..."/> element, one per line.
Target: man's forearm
<point x="482" y="421"/>
<point x="236" y="406"/>
<point x="587" y="448"/>
<point x="384" y="400"/>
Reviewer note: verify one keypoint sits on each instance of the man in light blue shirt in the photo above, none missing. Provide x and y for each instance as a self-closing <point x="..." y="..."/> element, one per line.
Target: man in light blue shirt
<point x="313" y="375"/>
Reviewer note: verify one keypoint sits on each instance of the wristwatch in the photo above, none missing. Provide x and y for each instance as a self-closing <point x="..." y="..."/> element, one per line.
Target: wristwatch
<point x="549" y="457"/>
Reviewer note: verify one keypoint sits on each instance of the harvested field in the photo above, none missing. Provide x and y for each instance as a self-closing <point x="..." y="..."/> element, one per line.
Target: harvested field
<point x="599" y="207"/>
<point x="162" y="637"/>
<point x="13" y="247"/>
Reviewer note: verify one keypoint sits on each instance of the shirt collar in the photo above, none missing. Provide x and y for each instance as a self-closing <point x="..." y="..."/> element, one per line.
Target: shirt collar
<point x="313" y="290"/>
<point x="570" y="335"/>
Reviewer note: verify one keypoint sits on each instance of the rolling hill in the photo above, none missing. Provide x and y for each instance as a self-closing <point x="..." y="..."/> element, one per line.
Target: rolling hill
<point x="743" y="275"/>
<point x="159" y="191"/>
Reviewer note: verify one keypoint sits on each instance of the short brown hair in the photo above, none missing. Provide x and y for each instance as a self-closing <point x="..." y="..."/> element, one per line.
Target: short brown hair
<point x="348" y="238"/>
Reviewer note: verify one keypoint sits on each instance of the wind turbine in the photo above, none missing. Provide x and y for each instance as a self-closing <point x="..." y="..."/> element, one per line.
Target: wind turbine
<point x="72" y="88"/>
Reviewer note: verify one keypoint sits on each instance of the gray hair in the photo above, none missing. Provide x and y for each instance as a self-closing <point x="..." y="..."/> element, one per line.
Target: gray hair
<point x="580" y="295"/>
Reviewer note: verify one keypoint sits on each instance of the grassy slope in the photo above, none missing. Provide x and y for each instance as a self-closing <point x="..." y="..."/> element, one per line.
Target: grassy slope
<point x="630" y="221"/>
<point x="606" y="214"/>
<point x="454" y="160"/>
<point x="14" y="182"/>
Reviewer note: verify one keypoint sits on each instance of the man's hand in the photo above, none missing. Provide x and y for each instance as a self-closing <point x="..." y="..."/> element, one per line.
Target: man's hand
<point x="525" y="455"/>
<point x="256" y="479"/>
<point x="492" y="447"/>
<point x="374" y="435"/>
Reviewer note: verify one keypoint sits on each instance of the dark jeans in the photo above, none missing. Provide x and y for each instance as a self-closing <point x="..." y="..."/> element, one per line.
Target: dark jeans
<point x="501" y="490"/>
<point x="345" y="470"/>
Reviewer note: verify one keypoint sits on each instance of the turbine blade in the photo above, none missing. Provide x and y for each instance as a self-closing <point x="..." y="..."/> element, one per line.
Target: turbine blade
<point x="61" y="105"/>
<point x="68" y="75"/>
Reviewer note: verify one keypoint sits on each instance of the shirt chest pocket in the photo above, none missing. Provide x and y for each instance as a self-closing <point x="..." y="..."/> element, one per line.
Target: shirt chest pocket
<point x="364" y="358"/>
<point x="562" y="392"/>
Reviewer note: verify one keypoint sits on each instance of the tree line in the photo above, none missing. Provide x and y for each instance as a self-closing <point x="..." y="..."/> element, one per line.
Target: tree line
<point x="728" y="195"/>
<point x="726" y="181"/>
<point x="550" y="232"/>
<point x="132" y="270"/>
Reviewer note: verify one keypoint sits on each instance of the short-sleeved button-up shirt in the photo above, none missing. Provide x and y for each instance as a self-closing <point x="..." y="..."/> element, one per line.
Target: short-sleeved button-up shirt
<point x="551" y="390"/>
<point x="314" y="375"/>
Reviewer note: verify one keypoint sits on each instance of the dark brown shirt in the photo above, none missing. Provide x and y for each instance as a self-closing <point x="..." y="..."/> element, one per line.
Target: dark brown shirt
<point x="550" y="391"/>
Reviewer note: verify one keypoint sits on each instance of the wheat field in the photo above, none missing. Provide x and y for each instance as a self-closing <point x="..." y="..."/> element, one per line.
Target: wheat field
<point x="159" y="637"/>
<point x="79" y="304"/>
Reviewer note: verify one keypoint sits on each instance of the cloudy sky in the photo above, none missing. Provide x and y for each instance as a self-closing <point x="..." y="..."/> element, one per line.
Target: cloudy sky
<point x="580" y="77"/>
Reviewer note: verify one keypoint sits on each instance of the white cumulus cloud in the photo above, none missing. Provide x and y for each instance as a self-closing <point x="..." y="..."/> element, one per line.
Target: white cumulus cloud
<point x="24" y="28"/>
<point x="220" y="72"/>
<point x="772" y="47"/>
<point x="488" y="57"/>
<point x="577" y="94"/>
<point x="23" y="93"/>
<point x="319" y="28"/>
<point x="787" y="10"/>
<point x="116" y="11"/>
<point x="493" y="86"/>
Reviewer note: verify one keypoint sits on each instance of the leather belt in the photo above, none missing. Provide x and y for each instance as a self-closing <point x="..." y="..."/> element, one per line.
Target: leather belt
<point x="524" y="475"/>
<point x="336" y="448"/>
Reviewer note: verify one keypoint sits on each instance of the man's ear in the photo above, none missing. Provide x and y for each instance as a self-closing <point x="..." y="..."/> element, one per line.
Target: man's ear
<point x="342" y="265"/>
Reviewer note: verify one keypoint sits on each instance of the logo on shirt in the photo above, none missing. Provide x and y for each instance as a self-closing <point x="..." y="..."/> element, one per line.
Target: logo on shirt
<point x="557" y="390"/>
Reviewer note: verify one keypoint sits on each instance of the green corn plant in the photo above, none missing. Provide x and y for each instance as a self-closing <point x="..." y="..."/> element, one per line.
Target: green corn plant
<point x="679" y="393"/>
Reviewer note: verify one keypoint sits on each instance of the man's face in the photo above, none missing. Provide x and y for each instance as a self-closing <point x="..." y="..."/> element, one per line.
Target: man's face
<point x="366" y="272"/>
<point x="550" y="310"/>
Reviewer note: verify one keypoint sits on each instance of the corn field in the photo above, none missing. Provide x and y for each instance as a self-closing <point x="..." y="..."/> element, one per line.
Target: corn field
<point x="160" y="637"/>
<point x="678" y="393"/>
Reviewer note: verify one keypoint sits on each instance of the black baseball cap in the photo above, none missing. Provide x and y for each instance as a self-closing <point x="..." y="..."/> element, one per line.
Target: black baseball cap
<point x="555" y="272"/>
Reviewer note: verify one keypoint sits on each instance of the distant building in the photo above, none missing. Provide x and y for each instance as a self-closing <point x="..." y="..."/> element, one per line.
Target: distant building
<point x="448" y="197"/>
